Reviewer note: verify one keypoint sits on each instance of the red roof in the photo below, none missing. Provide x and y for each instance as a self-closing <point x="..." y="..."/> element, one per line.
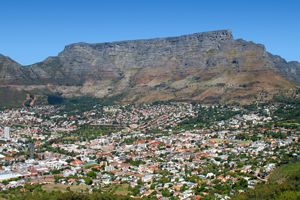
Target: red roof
<point x="7" y="158"/>
<point x="77" y="162"/>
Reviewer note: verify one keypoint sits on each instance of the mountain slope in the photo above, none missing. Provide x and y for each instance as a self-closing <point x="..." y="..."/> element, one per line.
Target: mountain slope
<point x="208" y="67"/>
<point x="290" y="70"/>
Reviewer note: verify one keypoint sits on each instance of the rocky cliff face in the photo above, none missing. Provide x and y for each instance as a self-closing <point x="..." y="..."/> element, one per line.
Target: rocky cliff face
<point x="82" y="62"/>
<point x="209" y="67"/>
<point x="11" y="71"/>
<point x="290" y="70"/>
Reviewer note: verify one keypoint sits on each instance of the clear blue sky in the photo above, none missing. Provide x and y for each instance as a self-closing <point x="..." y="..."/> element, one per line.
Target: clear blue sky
<point x="32" y="30"/>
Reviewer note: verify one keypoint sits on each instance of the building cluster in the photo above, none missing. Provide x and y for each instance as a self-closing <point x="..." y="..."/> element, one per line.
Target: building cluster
<point x="152" y="151"/>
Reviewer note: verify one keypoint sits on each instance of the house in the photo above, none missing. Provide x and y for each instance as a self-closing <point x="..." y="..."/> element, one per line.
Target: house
<point x="262" y="175"/>
<point x="72" y="181"/>
<point x="77" y="163"/>
<point x="210" y="175"/>
<point x="49" y="180"/>
<point x="68" y="172"/>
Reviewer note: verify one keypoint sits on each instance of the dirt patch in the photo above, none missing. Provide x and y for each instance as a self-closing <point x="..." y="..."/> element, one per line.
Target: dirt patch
<point x="77" y="188"/>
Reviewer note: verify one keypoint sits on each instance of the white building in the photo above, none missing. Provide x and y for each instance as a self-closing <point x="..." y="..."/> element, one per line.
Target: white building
<point x="4" y="175"/>
<point x="7" y="132"/>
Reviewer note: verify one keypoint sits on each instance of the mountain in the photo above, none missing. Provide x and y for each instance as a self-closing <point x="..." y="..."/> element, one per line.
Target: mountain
<point x="209" y="67"/>
<point x="290" y="70"/>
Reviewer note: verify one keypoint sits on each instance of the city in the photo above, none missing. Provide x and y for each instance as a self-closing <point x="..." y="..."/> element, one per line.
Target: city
<point x="163" y="151"/>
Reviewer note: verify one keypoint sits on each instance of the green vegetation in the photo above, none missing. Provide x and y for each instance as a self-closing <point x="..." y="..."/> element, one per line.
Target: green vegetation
<point x="89" y="166"/>
<point x="212" y="52"/>
<point x="289" y="110"/>
<point x="282" y="173"/>
<point x="283" y="184"/>
<point x="206" y="116"/>
<point x="82" y="104"/>
<point x="63" y="188"/>
<point x="11" y="98"/>
<point x="136" y="162"/>
<point x="37" y="192"/>
<point x="92" y="174"/>
<point x="86" y="133"/>
<point x="55" y="99"/>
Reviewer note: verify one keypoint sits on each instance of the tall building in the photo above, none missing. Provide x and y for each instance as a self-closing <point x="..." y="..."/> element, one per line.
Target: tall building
<point x="7" y="132"/>
<point x="31" y="150"/>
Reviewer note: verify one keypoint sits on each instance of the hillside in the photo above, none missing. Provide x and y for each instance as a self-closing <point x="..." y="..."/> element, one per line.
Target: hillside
<point x="210" y="67"/>
<point x="283" y="184"/>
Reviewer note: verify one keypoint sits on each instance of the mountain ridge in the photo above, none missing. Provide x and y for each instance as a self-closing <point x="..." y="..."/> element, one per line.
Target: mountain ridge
<point x="210" y="67"/>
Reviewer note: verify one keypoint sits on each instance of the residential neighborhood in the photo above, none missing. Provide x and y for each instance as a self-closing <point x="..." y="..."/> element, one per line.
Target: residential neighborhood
<point x="165" y="151"/>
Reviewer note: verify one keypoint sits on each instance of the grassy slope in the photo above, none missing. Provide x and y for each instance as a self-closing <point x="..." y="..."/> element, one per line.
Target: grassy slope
<point x="284" y="183"/>
<point x="77" y="188"/>
<point x="282" y="173"/>
<point x="11" y="97"/>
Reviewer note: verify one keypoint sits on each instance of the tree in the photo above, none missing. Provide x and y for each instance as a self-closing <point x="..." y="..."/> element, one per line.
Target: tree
<point x="136" y="190"/>
<point x="152" y="187"/>
<point x="218" y="159"/>
<point x="163" y="180"/>
<point x="69" y="160"/>
<point x="87" y="180"/>
<point x="165" y="192"/>
<point x="92" y="174"/>
<point x="139" y="181"/>
<point x="183" y="188"/>
<point x="241" y="184"/>
<point x="216" y="181"/>
<point x="55" y="171"/>
<point x="5" y="182"/>
<point x="239" y="165"/>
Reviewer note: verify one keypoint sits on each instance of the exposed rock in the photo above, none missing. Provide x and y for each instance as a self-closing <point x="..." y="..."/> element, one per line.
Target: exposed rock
<point x="290" y="70"/>
<point x="186" y="67"/>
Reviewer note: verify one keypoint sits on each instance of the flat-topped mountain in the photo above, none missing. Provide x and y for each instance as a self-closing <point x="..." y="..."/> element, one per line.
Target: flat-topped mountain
<point x="208" y="67"/>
